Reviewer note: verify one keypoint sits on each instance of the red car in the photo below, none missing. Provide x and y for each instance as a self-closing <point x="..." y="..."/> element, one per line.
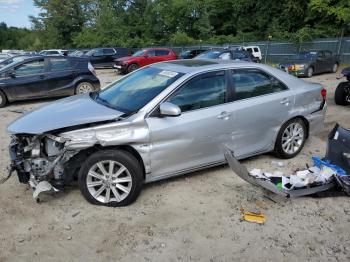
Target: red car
<point x="144" y="57"/>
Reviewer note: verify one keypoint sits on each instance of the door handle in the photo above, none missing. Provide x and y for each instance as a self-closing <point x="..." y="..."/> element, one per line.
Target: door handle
<point x="285" y="101"/>
<point x="224" y="115"/>
<point x="42" y="76"/>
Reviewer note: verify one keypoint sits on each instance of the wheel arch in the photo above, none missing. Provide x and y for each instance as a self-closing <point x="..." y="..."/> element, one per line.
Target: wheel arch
<point x="74" y="164"/>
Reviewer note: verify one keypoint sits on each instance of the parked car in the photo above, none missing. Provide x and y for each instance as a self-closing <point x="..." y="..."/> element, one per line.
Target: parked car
<point x="49" y="76"/>
<point x="14" y="59"/>
<point x="342" y="92"/>
<point x="54" y="52"/>
<point x="255" y="51"/>
<point x="144" y="57"/>
<point x="189" y="54"/>
<point x="79" y="52"/>
<point x="104" y="57"/>
<point x="161" y="121"/>
<point x="226" y="54"/>
<point x="4" y="56"/>
<point x="311" y="62"/>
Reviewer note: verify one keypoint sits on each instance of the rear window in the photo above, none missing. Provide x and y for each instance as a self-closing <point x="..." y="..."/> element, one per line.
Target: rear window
<point x="59" y="64"/>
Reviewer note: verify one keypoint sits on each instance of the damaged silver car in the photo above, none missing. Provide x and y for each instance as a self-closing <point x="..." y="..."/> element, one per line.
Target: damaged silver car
<point x="161" y="121"/>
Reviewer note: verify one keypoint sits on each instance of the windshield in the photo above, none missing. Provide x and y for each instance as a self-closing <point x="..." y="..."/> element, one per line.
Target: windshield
<point x="90" y="53"/>
<point x="140" y="53"/>
<point x="209" y="55"/>
<point x="4" y="56"/>
<point x="305" y="56"/>
<point x="134" y="91"/>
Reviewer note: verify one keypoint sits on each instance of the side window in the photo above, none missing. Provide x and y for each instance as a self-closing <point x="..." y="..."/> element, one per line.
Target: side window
<point x="58" y="64"/>
<point x="320" y="54"/>
<point x="250" y="50"/>
<point x="225" y="56"/>
<point x="52" y="53"/>
<point x="98" y="52"/>
<point x="252" y="83"/>
<point x="151" y="53"/>
<point x="30" y="68"/>
<point x="256" y="50"/>
<point x="161" y="52"/>
<point x="108" y="51"/>
<point x="239" y="55"/>
<point x="201" y="92"/>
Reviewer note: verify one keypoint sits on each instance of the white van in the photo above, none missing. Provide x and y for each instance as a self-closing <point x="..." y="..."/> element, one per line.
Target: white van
<point x="254" y="50"/>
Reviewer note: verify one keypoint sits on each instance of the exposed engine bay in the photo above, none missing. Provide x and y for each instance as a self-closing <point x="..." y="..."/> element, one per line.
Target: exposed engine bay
<point x="39" y="158"/>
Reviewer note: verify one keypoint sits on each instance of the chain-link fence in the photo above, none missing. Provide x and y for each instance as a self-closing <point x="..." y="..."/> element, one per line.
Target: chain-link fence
<point x="275" y="52"/>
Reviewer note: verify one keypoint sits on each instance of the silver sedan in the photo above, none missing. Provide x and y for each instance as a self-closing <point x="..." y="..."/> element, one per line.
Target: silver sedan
<point x="161" y="121"/>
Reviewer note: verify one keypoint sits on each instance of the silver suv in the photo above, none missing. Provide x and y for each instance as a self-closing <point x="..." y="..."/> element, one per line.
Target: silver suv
<point x="161" y="121"/>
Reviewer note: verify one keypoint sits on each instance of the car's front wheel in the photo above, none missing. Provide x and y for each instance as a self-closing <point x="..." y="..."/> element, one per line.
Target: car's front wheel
<point x="291" y="138"/>
<point x="132" y="67"/>
<point x="310" y="72"/>
<point x="342" y="94"/>
<point x="111" y="178"/>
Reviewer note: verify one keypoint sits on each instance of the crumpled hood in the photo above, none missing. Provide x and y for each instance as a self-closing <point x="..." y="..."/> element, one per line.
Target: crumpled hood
<point x="67" y="112"/>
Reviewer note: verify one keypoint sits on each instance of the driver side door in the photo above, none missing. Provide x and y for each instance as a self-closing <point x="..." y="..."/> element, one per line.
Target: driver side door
<point x="194" y="139"/>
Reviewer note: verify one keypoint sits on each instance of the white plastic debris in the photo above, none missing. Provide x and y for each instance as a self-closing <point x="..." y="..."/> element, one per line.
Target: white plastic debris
<point x="43" y="186"/>
<point x="277" y="163"/>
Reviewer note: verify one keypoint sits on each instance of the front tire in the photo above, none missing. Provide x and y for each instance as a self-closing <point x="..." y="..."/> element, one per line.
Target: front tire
<point x="342" y="94"/>
<point x="3" y="99"/>
<point x="310" y="72"/>
<point x="132" y="67"/>
<point x="335" y="68"/>
<point x="111" y="178"/>
<point x="291" y="138"/>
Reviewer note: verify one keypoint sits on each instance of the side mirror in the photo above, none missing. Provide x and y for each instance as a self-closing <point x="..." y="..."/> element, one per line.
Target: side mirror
<point x="169" y="109"/>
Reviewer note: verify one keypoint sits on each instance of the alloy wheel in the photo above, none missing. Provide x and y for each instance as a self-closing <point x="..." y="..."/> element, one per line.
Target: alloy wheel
<point x="293" y="138"/>
<point x="109" y="181"/>
<point x="84" y="88"/>
<point x="310" y="72"/>
<point x="335" y="68"/>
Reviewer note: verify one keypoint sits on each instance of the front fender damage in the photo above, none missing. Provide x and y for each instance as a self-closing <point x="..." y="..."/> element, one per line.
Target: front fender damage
<point x="42" y="160"/>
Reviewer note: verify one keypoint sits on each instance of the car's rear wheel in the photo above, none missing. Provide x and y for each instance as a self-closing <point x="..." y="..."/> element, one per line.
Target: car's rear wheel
<point x="342" y="94"/>
<point x="84" y="87"/>
<point x="291" y="138"/>
<point x="110" y="178"/>
<point x="310" y="72"/>
<point x="3" y="99"/>
<point x="132" y="67"/>
<point x="335" y="68"/>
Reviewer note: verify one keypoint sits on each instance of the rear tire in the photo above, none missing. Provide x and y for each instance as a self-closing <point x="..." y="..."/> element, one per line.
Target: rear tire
<point x="291" y="138"/>
<point x="3" y="99"/>
<point x="111" y="178"/>
<point x="341" y="95"/>
<point x="84" y="88"/>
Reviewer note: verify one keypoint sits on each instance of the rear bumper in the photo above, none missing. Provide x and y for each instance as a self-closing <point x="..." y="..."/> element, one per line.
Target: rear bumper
<point x="316" y="119"/>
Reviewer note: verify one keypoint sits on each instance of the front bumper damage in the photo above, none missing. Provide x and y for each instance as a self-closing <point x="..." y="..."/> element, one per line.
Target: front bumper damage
<point x="39" y="161"/>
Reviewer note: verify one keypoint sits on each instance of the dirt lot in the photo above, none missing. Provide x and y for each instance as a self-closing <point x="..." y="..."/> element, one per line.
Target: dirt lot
<point x="191" y="218"/>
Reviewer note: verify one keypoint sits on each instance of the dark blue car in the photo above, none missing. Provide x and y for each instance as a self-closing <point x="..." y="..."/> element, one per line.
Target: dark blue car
<point x="46" y="76"/>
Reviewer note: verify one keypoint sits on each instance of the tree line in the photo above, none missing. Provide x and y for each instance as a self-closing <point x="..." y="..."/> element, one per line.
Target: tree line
<point x="137" y="23"/>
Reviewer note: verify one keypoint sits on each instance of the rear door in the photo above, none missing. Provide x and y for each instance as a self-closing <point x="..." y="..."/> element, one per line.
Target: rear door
<point x="329" y="60"/>
<point x="60" y="76"/>
<point x="98" y="57"/>
<point x="194" y="138"/>
<point x="321" y="63"/>
<point x="29" y="79"/>
<point x="261" y="105"/>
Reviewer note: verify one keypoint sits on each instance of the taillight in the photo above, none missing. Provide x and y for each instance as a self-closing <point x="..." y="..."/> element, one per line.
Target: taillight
<point x="91" y="69"/>
<point x="324" y="93"/>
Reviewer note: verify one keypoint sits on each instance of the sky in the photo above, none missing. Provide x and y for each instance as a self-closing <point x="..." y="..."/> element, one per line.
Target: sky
<point x="16" y="12"/>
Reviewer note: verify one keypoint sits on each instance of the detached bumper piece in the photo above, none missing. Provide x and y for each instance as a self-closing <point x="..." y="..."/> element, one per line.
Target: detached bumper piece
<point x="330" y="172"/>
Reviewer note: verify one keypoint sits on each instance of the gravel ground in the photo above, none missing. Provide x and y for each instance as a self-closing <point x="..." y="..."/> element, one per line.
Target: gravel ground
<point x="195" y="217"/>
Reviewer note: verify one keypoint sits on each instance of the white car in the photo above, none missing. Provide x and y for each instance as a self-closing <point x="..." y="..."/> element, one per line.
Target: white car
<point x="53" y="52"/>
<point x="254" y="50"/>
